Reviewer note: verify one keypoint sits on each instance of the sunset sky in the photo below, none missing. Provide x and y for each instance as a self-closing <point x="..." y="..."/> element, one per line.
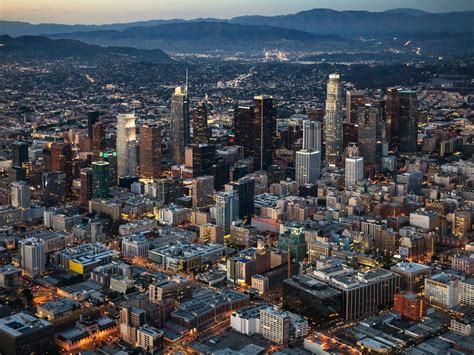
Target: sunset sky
<point x="110" y="11"/>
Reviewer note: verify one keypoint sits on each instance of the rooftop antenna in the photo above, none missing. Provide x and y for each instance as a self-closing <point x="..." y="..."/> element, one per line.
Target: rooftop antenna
<point x="186" y="87"/>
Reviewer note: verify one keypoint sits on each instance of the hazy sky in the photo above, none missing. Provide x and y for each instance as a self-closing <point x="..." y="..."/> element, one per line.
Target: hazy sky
<point x="109" y="11"/>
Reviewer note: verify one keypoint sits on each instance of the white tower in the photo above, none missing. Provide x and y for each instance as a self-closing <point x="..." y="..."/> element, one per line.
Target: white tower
<point x="307" y="166"/>
<point x="126" y="145"/>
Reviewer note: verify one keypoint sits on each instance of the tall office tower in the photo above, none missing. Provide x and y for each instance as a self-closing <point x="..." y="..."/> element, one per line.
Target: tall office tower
<point x="110" y="156"/>
<point x="126" y="145"/>
<point x="201" y="158"/>
<point x="32" y="256"/>
<point x="371" y="133"/>
<point x="275" y="325"/>
<point x="150" y="152"/>
<point x="354" y="100"/>
<point x="92" y="118"/>
<point x="20" y="194"/>
<point x="307" y="166"/>
<point x="203" y="191"/>
<point x="354" y="170"/>
<point x="20" y="160"/>
<point x="408" y="121"/>
<point x="333" y="121"/>
<point x="220" y="171"/>
<point x="61" y="160"/>
<point x="243" y="118"/>
<point x="227" y="209"/>
<point x="312" y="135"/>
<point x="392" y="109"/>
<point x="245" y="188"/>
<point x="100" y="179"/>
<point x="264" y="131"/>
<point x="85" y="194"/>
<point x="201" y="132"/>
<point x="98" y="139"/>
<point x="179" y="127"/>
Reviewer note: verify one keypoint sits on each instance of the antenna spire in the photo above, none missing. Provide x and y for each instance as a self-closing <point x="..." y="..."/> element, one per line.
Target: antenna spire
<point x="186" y="87"/>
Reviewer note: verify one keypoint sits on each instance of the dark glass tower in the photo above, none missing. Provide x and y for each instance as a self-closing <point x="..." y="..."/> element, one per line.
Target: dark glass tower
<point x="245" y="189"/>
<point x="20" y="160"/>
<point x="98" y="139"/>
<point x="264" y="132"/>
<point x="243" y="118"/>
<point x="371" y="133"/>
<point x="61" y="160"/>
<point x="92" y="117"/>
<point x="408" y="121"/>
<point x="200" y="129"/>
<point x="201" y="158"/>
<point x="100" y="179"/>
<point x="393" y="118"/>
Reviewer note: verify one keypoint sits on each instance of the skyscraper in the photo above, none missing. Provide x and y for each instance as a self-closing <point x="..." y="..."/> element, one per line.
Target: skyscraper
<point x="312" y="135"/>
<point x="307" y="166"/>
<point x="245" y="188"/>
<point x="110" y="157"/>
<point x="126" y="145"/>
<point x="100" y="179"/>
<point x="227" y="209"/>
<point x="354" y="100"/>
<point x="150" y="152"/>
<point x="333" y="120"/>
<point x="61" y="160"/>
<point x="371" y="133"/>
<point x="354" y="167"/>
<point x="200" y="129"/>
<point x="201" y="158"/>
<point x="98" y="139"/>
<point x="408" y="121"/>
<point x="20" y="194"/>
<point x="20" y="160"/>
<point x="32" y="256"/>
<point x="393" y="118"/>
<point x="203" y="191"/>
<point x="92" y="117"/>
<point x="179" y="127"/>
<point x="85" y="194"/>
<point x="264" y="131"/>
<point x="243" y="118"/>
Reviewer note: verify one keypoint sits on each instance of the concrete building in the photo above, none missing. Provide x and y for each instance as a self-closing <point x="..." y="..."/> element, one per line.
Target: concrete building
<point x="308" y="166"/>
<point x="442" y="290"/>
<point x="178" y="289"/>
<point x="32" y="256"/>
<point x="20" y="195"/>
<point x="412" y="275"/>
<point x="247" y="320"/>
<point x="149" y="338"/>
<point x="354" y="171"/>
<point x="227" y="209"/>
<point x="275" y="325"/>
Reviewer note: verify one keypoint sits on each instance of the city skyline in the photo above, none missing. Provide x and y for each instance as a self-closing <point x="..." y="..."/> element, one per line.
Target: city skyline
<point x="108" y="11"/>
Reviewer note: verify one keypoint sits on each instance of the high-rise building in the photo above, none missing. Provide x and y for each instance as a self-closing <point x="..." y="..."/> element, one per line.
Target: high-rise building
<point x="354" y="167"/>
<point x="275" y="325"/>
<point x="85" y="194"/>
<point x="264" y="131"/>
<point x="245" y="188"/>
<point x="20" y="194"/>
<point x="110" y="157"/>
<point x="61" y="160"/>
<point x="354" y="99"/>
<point x="312" y="135"/>
<point x="92" y="118"/>
<point x="410" y="306"/>
<point x="294" y="241"/>
<point x="179" y="126"/>
<point x="220" y="171"/>
<point x="408" y="121"/>
<point x="20" y="160"/>
<point x="442" y="289"/>
<point x="393" y="118"/>
<point x="243" y="118"/>
<point x="227" y="209"/>
<point x="201" y="158"/>
<point x="32" y="256"/>
<point x="307" y="166"/>
<point x="131" y="319"/>
<point x="371" y="133"/>
<point x="201" y="132"/>
<point x="100" y="179"/>
<point x="126" y="145"/>
<point x="98" y="139"/>
<point x="150" y="152"/>
<point x="203" y="191"/>
<point x="333" y="120"/>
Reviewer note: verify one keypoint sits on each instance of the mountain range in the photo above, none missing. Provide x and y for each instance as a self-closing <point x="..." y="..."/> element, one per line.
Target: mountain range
<point x="316" y="21"/>
<point x="61" y="48"/>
